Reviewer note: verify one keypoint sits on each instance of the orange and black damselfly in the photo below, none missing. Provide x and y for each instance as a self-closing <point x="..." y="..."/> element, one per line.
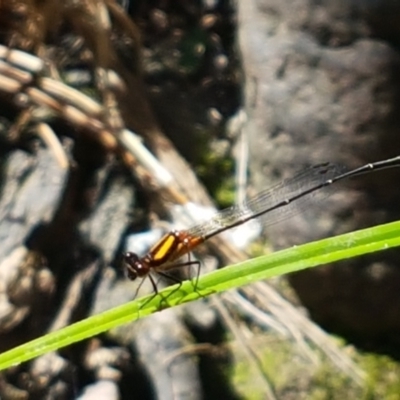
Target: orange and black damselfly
<point x="277" y="203"/>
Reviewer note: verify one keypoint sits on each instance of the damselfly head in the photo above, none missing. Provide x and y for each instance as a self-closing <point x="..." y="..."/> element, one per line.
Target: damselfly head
<point x="134" y="266"/>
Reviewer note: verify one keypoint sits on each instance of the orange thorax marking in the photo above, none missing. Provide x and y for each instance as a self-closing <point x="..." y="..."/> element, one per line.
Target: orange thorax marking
<point x="172" y="246"/>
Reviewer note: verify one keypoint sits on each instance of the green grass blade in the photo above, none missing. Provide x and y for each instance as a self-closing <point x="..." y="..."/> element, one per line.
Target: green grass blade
<point x="293" y="259"/>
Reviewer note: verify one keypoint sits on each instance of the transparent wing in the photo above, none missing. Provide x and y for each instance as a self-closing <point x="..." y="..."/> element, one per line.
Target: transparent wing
<point x="277" y="203"/>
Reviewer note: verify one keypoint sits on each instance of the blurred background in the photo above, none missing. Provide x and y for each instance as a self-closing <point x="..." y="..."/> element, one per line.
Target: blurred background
<point x="117" y="115"/>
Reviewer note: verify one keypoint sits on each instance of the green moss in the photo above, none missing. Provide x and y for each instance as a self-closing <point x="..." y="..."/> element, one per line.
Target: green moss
<point x="328" y="383"/>
<point x="383" y="377"/>
<point x="293" y="377"/>
<point x="278" y="365"/>
<point x="216" y="171"/>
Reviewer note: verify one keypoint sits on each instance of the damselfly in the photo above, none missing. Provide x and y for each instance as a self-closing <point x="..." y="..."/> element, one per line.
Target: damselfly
<point x="275" y="204"/>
